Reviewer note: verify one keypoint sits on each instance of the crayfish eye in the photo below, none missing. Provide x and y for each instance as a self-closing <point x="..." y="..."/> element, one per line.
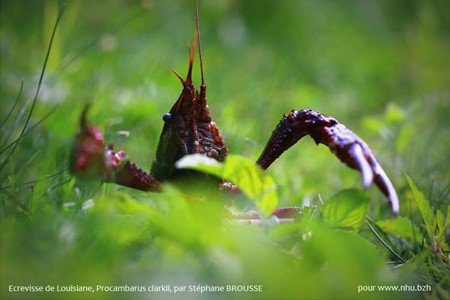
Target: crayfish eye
<point x="167" y="118"/>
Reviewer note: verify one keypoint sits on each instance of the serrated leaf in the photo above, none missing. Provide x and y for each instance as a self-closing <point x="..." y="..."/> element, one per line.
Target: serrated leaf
<point x="402" y="227"/>
<point x="424" y="208"/>
<point x="252" y="181"/>
<point x="447" y="220"/>
<point x="347" y="208"/>
<point x="439" y="220"/>
<point x="442" y="227"/>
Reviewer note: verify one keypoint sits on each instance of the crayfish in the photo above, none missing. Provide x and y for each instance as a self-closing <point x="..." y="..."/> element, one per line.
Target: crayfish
<point x="189" y="129"/>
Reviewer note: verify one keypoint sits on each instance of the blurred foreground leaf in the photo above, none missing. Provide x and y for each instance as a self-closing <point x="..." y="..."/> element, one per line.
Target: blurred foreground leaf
<point x="255" y="183"/>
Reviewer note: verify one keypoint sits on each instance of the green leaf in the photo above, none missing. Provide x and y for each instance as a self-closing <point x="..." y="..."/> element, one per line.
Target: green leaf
<point x="251" y="180"/>
<point x="401" y="226"/>
<point x="447" y="220"/>
<point x="442" y="228"/>
<point x="424" y="208"/>
<point x="346" y="209"/>
<point x="439" y="220"/>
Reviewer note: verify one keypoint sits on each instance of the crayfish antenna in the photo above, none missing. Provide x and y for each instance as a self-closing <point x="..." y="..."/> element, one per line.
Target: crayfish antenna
<point x="197" y="31"/>
<point x="202" y="96"/>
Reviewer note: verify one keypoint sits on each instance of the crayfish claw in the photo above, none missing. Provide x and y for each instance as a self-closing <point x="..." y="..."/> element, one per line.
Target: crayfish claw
<point x="87" y="159"/>
<point x="91" y="159"/>
<point x="372" y="171"/>
<point x="385" y="185"/>
<point x="346" y="145"/>
<point x="356" y="152"/>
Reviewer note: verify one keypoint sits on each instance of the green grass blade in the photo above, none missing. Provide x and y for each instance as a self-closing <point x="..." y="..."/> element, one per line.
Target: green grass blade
<point x="36" y="95"/>
<point x="385" y="244"/>
<point x="12" y="108"/>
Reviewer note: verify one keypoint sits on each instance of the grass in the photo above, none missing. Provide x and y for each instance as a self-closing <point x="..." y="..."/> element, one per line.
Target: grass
<point x="381" y="71"/>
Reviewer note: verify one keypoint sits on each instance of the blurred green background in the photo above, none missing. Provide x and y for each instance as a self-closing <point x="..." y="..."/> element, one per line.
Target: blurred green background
<point x="379" y="67"/>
